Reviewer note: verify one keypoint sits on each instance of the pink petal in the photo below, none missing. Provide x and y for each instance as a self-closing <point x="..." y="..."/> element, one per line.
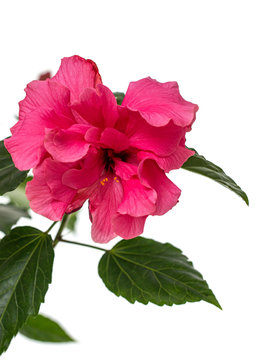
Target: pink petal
<point x="47" y="95"/>
<point x="103" y="205"/>
<point x="67" y="145"/>
<point x="114" y="139"/>
<point x="26" y="144"/>
<point x="45" y="106"/>
<point x="77" y="74"/>
<point x="167" y="193"/>
<point x="127" y="226"/>
<point x="42" y="202"/>
<point x="138" y="200"/>
<point x="78" y="201"/>
<point x="89" y="174"/>
<point x="89" y="107"/>
<point x="97" y="107"/>
<point x="54" y="172"/>
<point x="124" y="170"/>
<point x="160" y="140"/>
<point x="92" y="135"/>
<point x="109" y="108"/>
<point x="46" y="193"/>
<point x="158" y="103"/>
<point x="171" y="162"/>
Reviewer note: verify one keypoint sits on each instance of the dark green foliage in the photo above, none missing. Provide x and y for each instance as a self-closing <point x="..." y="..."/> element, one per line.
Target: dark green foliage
<point x="26" y="261"/>
<point x="42" y="328"/>
<point x="18" y="197"/>
<point x="119" y="97"/>
<point x="10" y="176"/>
<point x="198" y="164"/>
<point x="71" y="222"/>
<point x="145" y="270"/>
<point x="9" y="215"/>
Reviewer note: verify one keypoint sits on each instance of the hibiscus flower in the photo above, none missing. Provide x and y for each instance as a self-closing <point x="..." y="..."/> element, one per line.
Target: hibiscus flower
<point x="83" y="146"/>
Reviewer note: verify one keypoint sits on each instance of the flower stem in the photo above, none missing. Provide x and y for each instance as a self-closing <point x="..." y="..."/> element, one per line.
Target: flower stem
<point x="60" y="230"/>
<point x="81" y="244"/>
<point x="50" y="228"/>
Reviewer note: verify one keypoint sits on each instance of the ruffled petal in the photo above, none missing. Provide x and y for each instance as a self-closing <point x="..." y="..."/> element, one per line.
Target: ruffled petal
<point x="97" y="107"/>
<point x="138" y="200"/>
<point x="114" y="139"/>
<point x="42" y="202"/>
<point x="46" y="194"/>
<point x="77" y="74"/>
<point x="54" y="172"/>
<point x="67" y="145"/>
<point x="26" y="144"/>
<point x="109" y="106"/>
<point x="89" y="108"/>
<point x="47" y="95"/>
<point x="171" y="162"/>
<point x="167" y="193"/>
<point x="92" y="135"/>
<point x="160" y="140"/>
<point x="88" y="174"/>
<point x="124" y="170"/>
<point x="158" y="103"/>
<point x="127" y="226"/>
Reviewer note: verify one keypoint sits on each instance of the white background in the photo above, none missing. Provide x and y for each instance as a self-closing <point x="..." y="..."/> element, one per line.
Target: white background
<point x="213" y="50"/>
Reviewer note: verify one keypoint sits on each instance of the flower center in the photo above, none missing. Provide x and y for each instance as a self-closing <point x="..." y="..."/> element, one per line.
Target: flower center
<point x="110" y="156"/>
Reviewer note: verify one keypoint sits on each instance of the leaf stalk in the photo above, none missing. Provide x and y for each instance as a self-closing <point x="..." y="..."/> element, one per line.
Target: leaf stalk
<point x="81" y="244"/>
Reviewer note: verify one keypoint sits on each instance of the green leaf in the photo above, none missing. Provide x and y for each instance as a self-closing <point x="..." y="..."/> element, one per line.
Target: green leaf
<point x="9" y="215"/>
<point x="26" y="261"/>
<point x="10" y="176"/>
<point x="145" y="270"/>
<point x="119" y="97"/>
<point x="71" y="222"/>
<point x="18" y="197"/>
<point x="42" y="328"/>
<point x="198" y="164"/>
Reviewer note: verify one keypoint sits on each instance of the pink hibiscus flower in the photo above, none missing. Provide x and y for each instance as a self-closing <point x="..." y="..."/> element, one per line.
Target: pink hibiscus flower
<point x="83" y="146"/>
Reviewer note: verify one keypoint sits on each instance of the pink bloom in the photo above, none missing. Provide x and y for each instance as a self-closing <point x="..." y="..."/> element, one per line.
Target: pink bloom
<point x="82" y="145"/>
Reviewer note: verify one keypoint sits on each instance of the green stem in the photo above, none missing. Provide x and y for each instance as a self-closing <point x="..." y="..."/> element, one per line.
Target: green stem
<point x="81" y="244"/>
<point x="60" y="230"/>
<point x="50" y="228"/>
